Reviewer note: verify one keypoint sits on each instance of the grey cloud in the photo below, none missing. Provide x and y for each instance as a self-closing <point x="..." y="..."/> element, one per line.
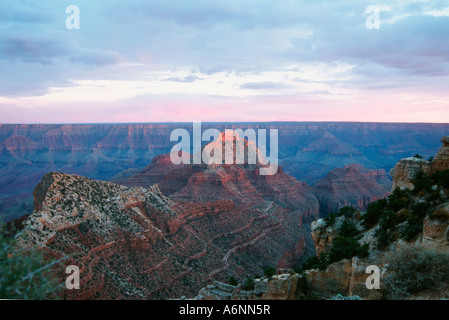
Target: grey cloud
<point x="95" y="58"/>
<point x="263" y="85"/>
<point x="184" y="79"/>
<point x="18" y="12"/>
<point x="31" y="51"/>
<point x="228" y="36"/>
<point x="32" y="79"/>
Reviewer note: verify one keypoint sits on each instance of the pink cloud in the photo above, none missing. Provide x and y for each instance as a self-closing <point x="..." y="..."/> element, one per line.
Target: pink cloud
<point x="369" y="106"/>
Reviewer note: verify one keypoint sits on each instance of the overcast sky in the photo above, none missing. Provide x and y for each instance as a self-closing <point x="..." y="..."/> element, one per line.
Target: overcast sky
<point x="224" y="60"/>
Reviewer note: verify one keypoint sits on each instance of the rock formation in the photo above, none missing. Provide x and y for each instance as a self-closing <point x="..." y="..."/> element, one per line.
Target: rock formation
<point x="441" y="160"/>
<point x="347" y="277"/>
<point x="136" y="243"/>
<point x="282" y="286"/>
<point x="436" y="229"/>
<point x="307" y="151"/>
<point x="152" y="174"/>
<point x="406" y="169"/>
<point x="352" y="185"/>
<point x="323" y="235"/>
<point x="241" y="183"/>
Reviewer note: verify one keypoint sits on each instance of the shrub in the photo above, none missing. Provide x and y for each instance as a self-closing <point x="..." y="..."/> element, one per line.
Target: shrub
<point x="403" y="215"/>
<point x="397" y="200"/>
<point x="435" y="197"/>
<point x="348" y="229"/>
<point x="269" y="272"/>
<point x="415" y="221"/>
<point x="310" y="263"/>
<point x="373" y="213"/>
<point x="363" y="251"/>
<point x="411" y="232"/>
<point x="303" y="284"/>
<point x="441" y="178"/>
<point x="347" y="212"/>
<point x="387" y="228"/>
<point x="421" y="182"/>
<point x="413" y="269"/>
<point x="330" y="219"/>
<point x="441" y="214"/>
<point x="24" y="274"/>
<point x="233" y="281"/>
<point x="389" y="220"/>
<point x="343" y="248"/>
<point x="383" y="239"/>
<point x="316" y="262"/>
<point x="248" y="284"/>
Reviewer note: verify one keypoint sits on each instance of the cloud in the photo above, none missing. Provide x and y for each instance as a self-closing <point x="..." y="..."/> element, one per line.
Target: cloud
<point x="189" y="78"/>
<point x="96" y="58"/>
<point x="263" y="85"/>
<point x="31" y="51"/>
<point x="228" y="49"/>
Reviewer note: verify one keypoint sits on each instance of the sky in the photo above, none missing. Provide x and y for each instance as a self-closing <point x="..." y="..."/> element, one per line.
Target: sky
<point x="224" y="61"/>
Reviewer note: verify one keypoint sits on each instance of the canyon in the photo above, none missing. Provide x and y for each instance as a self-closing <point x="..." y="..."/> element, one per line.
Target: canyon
<point x="136" y="243"/>
<point x="168" y="230"/>
<point x="307" y="151"/>
<point x="346" y="279"/>
<point x="352" y="185"/>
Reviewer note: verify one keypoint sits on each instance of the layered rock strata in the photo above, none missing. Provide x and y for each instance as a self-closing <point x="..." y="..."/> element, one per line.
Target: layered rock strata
<point x="136" y="243"/>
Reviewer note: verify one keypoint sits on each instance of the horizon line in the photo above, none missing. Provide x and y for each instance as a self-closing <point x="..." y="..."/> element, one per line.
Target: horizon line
<point x="218" y="122"/>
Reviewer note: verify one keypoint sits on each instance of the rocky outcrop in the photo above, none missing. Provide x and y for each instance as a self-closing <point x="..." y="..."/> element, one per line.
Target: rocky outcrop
<point x="241" y="183"/>
<point x="136" y="243"/>
<point x="346" y="277"/>
<point x="441" y="160"/>
<point x="352" y="185"/>
<point x="436" y="229"/>
<point x="436" y="224"/>
<point x="282" y="286"/>
<point x="406" y="169"/>
<point x="152" y="174"/>
<point x="323" y="235"/>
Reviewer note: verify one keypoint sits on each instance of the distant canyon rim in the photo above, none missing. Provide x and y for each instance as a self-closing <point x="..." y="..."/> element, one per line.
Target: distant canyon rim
<point x="308" y="151"/>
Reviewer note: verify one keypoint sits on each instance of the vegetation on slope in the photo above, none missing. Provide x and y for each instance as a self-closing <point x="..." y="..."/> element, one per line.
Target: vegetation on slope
<point x="345" y="245"/>
<point x="412" y="269"/>
<point x="401" y="215"/>
<point x="25" y="274"/>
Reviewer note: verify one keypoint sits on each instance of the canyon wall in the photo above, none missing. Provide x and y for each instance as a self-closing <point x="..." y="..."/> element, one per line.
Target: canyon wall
<point x="136" y="243"/>
<point x="352" y="185"/>
<point x="307" y="151"/>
